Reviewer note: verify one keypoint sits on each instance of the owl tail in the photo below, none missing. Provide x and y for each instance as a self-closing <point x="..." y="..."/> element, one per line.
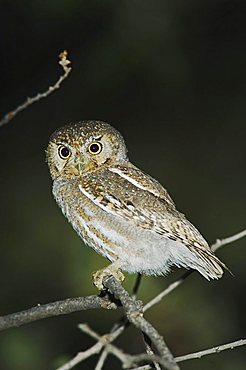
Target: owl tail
<point x="207" y="263"/>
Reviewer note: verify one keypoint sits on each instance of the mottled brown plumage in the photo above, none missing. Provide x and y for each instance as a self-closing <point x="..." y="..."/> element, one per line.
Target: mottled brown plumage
<point x="117" y="209"/>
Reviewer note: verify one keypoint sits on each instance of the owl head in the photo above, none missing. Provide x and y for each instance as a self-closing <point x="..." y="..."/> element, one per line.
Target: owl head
<point x="84" y="146"/>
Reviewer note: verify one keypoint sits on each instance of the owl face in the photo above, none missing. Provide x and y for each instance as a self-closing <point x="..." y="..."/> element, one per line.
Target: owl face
<point x="83" y="147"/>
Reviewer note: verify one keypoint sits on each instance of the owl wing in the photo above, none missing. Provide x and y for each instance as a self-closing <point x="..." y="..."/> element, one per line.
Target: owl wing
<point x="141" y="200"/>
<point x="127" y="192"/>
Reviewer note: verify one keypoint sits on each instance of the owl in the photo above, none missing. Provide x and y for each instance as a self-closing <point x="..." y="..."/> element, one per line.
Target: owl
<point x="121" y="212"/>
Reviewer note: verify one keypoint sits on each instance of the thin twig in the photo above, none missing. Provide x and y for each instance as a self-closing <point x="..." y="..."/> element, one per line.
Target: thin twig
<point x="64" y="62"/>
<point x="206" y="352"/>
<point x="223" y="347"/>
<point x="81" y="356"/>
<point x="166" y="291"/>
<point x="102" y="359"/>
<point x="220" y="242"/>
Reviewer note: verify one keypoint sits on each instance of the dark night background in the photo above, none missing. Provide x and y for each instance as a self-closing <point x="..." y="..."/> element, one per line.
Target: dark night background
<point x="171" y="76"/>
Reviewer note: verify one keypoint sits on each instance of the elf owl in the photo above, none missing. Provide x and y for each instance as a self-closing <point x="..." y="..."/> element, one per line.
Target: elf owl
<point x="118" y="210"/>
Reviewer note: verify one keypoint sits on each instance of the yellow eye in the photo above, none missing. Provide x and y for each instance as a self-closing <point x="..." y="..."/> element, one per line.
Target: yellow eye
<point x="95" y="148"/>
<point x="64" y="152"/>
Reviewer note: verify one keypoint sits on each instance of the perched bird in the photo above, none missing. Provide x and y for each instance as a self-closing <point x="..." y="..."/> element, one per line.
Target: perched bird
<point x="117" y="209"/>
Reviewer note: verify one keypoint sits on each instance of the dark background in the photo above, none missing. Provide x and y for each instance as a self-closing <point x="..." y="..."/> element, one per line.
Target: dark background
<point x="171" y="76"/>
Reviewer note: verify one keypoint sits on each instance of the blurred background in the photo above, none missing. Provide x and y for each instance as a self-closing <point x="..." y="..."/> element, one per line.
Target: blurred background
<point x="171" y="76"/>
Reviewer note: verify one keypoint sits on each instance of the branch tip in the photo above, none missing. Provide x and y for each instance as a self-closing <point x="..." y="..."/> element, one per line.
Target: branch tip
<point x="64" y="62"/>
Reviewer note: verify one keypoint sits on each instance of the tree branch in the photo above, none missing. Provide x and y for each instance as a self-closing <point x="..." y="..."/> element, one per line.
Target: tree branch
<point x="132" y="309"/>
<point x="121" y="324"/>
<point x="64" y="62"/>
<point x="57" y="308"/>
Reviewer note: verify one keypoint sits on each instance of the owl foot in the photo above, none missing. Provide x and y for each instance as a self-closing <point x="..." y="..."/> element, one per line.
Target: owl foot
<point x="112" y="269"/>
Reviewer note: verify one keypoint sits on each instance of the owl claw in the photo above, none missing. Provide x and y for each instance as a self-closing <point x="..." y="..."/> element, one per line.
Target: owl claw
<point x="99" y="275"/>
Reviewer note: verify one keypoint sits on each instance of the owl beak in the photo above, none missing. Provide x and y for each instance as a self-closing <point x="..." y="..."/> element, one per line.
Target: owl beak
<point x="80" y="167"/>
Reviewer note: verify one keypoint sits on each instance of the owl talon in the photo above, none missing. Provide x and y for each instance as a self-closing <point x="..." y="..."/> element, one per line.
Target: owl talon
<point x="99" y="275"/>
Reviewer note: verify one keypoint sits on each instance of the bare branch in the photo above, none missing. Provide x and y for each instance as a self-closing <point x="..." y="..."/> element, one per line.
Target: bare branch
<point x="57" y="308"/>
<point x="223" y="347"/>
<point x="64" y="62"/>
<point x="220" y="242"/>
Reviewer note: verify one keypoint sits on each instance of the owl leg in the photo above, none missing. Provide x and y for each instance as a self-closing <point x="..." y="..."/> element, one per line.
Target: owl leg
<point x="113" y="269"/>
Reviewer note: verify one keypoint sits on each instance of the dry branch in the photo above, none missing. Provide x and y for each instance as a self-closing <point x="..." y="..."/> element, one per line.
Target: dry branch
<point x="64" y="62"/>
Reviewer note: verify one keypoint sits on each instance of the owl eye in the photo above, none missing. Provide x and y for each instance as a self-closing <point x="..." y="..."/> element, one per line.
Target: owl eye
<point x="95" y="148"/>
<point x="64" y="152"/>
